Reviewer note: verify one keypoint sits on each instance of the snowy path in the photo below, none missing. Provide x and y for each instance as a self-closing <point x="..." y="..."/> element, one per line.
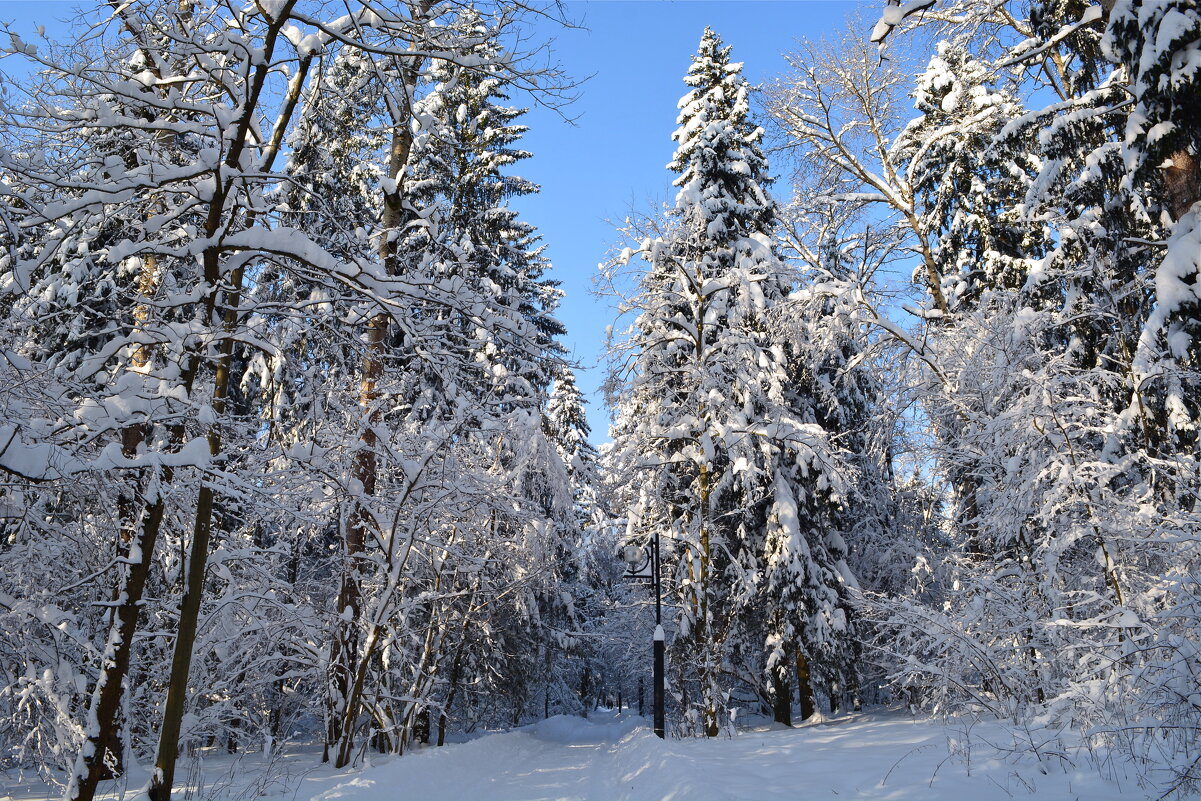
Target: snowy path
<point x="879" y="756"/>
<point x="883" y="757"/>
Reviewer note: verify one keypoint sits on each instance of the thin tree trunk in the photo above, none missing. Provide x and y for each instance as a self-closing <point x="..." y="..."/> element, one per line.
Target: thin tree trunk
<point x="141" y="531"/>
<point x="111" y="754"/>
<point x="705" y="632"/>
<point x="586" y="688"/>
<point x="168" y="745"/>
<point x="102" y="715"/>
<point x="189" y="613"/>
<point x="456" y="673"/>
<point x="355" y="692"/>
<point x="455" y="677"/>
<point x="344" y="647"/>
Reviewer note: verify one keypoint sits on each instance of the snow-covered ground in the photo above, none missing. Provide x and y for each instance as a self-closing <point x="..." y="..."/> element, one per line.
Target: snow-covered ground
<point x="882" y="756"/>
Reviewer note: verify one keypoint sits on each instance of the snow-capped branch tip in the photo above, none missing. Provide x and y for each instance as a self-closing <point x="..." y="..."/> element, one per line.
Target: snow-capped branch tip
<point x="895" y="13"/>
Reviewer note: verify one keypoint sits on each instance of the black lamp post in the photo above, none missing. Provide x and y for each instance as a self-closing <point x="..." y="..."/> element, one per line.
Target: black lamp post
<point x="642" y="563"/>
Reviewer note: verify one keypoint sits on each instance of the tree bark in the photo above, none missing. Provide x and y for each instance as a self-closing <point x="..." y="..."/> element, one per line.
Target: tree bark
<point x="189" y="613"/>
<point x="705" y="633"/>
<point x="804" y="686"/>
<point x="111" y="753"/>
<point x="102" y="718"/>
<point x="344" y="647"/>
<point x="218" y="214"/>
<point x="1182" y="179"/>
<point x="781" y="705"/>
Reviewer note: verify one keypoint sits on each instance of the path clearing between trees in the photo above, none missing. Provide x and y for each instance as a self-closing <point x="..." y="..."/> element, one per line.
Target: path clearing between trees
<point x="885" y="756"/>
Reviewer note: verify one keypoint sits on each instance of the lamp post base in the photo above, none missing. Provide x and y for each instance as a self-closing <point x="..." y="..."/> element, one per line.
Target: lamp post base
<point x="660" y="649"/>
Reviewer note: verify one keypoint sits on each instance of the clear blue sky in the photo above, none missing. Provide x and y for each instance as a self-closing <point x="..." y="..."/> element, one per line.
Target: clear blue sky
<point x="612" y="159"/>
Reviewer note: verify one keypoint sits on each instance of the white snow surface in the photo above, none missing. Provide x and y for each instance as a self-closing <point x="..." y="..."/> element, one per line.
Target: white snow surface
<point x="888" y="756"/>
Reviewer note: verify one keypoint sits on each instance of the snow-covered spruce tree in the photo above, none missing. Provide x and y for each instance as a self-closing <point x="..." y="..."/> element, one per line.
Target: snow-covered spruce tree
<point x="709" y="452"/>
<point x="567" y="427"/>
<point x="1093" y="355"/>
<point x="859" y="384"/>
<point x="459" y="225"/>
<point x="1034" y="370"/>
<point x="967" y="191"/>
<point x="1157" y="43"/>
<point x="833" y="383"/>
<point x="1159" y="46"/>
<point x="476" y="242"/>
<point x="586" y="557"/>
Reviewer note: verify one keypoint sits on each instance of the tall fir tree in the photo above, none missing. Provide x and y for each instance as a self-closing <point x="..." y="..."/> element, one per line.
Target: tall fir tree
<point x="712" y="456"/>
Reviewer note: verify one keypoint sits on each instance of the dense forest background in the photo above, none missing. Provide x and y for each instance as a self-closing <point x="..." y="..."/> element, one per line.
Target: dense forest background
<point x="291" y="449"/>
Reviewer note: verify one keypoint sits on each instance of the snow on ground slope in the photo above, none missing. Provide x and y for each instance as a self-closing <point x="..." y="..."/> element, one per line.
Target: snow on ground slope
<point x="886" y="756"/>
